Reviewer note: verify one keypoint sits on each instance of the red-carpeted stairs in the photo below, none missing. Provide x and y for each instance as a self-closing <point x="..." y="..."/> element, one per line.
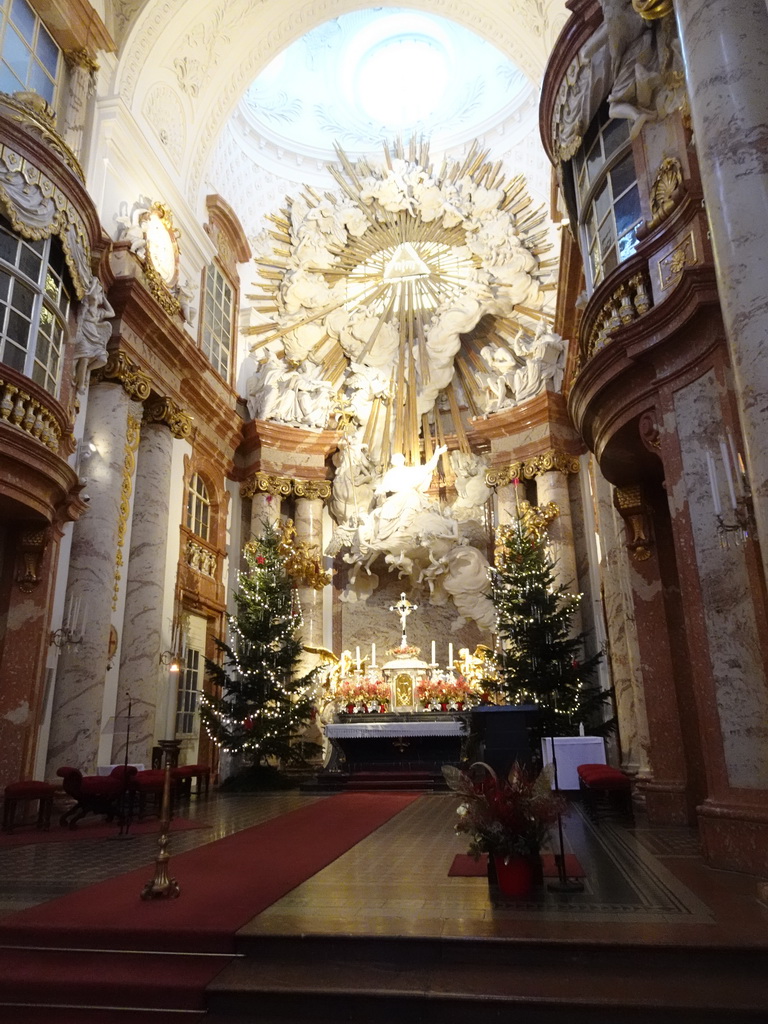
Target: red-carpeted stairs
<point x="81" y="950"/>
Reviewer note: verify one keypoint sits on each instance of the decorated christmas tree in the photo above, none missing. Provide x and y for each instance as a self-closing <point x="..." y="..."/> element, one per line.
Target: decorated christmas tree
<point x="540" y="660"/>
<point x="261" y="706"/>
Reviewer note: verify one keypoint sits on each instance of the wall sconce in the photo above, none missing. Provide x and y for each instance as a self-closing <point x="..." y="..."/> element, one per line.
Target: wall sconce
<point x="177" y="655"/>
<point x="740" y="521"/>
<point x="72" y="629"/>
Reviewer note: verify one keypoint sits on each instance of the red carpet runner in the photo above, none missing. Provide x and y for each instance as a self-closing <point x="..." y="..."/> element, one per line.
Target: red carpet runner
<point x="223" y="884"/>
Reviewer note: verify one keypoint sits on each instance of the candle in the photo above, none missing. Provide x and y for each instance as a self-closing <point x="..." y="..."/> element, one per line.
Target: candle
<point x="735" y="460"/>
<point x="373" y="655"/>
<point x="450" y="655"/>
<point x="357" y="655"/>
<point x="433" y="653"/>
<point x="170" y="718"/>
<point x="713" y="484"/>
<point x="728" y="473"/>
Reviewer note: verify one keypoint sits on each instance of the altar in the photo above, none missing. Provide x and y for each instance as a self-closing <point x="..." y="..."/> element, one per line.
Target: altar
<point x="395" y="742"/>
<point x="406" y="715"/>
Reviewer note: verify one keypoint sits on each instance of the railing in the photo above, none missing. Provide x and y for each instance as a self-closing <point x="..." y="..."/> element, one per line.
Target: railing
<point x="625" y="303"/>
<point x="29" y="413"/>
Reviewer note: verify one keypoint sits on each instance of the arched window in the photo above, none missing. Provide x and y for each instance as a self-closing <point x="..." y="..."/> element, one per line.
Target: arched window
<point x="198" y="508"/>
<point x="34" y="306"/>
<point x="607" y="196"/>
<point x="218" y="320"/>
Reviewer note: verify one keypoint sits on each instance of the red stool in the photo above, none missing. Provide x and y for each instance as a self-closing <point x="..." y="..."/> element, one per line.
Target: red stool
<point x="608" y="782"/>
<point x="20" y="792"/>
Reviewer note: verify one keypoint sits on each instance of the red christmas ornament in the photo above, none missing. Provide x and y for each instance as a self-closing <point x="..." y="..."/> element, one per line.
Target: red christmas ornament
<point x="260" y="559"/>
<point x="248" y="724"/>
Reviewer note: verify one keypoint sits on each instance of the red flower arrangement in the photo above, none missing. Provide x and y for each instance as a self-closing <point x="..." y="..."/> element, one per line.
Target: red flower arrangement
<point x="510" y="817"/>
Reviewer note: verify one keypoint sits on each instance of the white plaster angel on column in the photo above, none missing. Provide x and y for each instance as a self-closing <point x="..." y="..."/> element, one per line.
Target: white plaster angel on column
<point x="498" y="385"/>
<point x="93" y="332"/>
<point x="543" y="362"/>
<point x="262" y="391"/>
<point x="353" y="480"/>
<point x="472" y="490"/>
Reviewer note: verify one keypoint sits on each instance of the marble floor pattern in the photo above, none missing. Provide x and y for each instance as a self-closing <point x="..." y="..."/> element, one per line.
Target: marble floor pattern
<point x="641" y="883"/>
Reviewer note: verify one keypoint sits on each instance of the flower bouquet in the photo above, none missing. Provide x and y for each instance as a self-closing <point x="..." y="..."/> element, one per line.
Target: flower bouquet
<point x="363" y="695"/>
<point x="509" y="819"/>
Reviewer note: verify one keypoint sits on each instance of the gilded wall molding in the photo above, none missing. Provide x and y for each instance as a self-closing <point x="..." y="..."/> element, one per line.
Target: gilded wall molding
<point x="629" y="503"/>
<point x="132" y="438"/>
<point x="32" y="545"/>
<point x="666" y="192"/>
<point x="165" y="410"/>
<point x="284" y="487"/>
<point x="120" y="370"/>
<point x="552" y="460"/>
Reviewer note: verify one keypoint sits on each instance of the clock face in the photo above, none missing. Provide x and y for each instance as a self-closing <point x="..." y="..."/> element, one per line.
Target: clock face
<point x="161" y="244"/>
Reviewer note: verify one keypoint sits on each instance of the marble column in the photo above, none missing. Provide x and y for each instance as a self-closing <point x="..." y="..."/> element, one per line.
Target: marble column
<point x="309" y="529"/>
<point x="141" y="673"/>
<point x="506" y="504"/>
<point x="265" y="508"/>
<point x="553" y="486"/>
<point x="620" y="624"/>
<point x="668" y="799"/>
<point x="113" y="426"/>
<point x="726" y="68"/>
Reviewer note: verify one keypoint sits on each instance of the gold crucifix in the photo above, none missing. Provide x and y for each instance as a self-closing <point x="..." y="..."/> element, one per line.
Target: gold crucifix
<point x="403" y="609"/>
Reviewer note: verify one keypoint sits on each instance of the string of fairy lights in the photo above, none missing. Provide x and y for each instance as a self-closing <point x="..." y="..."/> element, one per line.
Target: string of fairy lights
<point x="257" y="584"/>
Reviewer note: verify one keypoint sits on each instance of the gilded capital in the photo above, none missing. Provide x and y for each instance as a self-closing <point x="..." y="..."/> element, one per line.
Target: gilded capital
<point x="120" y="370"/>
<point x="284" y="487"/>
<point x="165" y="410"/>
<point x="81" y="58"/>
<point x="553" y="460"/>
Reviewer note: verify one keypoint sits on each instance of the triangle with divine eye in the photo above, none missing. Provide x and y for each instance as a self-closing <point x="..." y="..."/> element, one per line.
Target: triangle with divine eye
<point x="405" y="263"/>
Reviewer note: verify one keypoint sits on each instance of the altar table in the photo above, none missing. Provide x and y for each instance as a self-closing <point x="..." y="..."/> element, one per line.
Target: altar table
<point x="398" y="745"/>
<point x="571" y="751"/>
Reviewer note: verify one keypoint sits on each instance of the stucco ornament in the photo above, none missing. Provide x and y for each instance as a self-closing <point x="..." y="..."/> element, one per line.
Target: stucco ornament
<point x="648" y="81"/>
<point x="381" y="305"/>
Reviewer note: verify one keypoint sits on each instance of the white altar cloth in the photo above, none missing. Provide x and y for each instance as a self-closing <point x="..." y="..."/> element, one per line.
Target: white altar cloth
<point x="371" y="730"/>
<point x="571" y="751"/>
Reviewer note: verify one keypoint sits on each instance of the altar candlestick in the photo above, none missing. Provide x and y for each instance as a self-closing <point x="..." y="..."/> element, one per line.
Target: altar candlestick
<point x="728" y="473"/>
<point x="450" y="655"/>
<point x="736" y="468"/>
<point x="373" y="655"/>
<point x="713" y="485"/>
<point x="433" y="653"/>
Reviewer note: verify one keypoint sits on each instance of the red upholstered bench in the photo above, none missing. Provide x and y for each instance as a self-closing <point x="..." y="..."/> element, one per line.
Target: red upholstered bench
<point x="95" y="794"/>
<point x="185" y="773"/>
<point x="604" y="781"/>
<point x="21" y="792"/>
<point x="151" y="783"/>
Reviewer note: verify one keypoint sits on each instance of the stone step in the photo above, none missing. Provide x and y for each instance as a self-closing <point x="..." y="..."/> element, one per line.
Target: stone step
<point x="577" y="983"/>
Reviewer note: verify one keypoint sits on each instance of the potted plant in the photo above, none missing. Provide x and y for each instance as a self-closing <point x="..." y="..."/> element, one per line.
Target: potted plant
<point x="509" y="819"/>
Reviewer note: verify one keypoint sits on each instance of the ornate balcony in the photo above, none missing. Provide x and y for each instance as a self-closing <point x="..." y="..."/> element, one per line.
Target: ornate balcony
<point x="36" y="440"/>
